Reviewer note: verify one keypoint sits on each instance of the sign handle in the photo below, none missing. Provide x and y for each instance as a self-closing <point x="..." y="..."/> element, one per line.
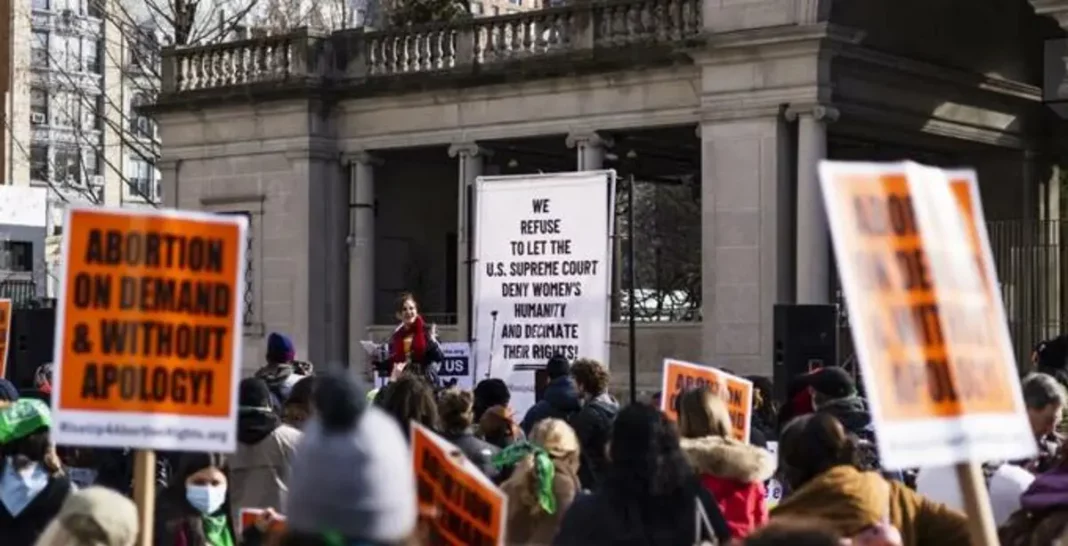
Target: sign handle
<point x="977" y="504"/>
<point x="145" y="493"/>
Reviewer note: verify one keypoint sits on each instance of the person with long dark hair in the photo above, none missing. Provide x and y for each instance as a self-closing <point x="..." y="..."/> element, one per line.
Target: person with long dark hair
<point x="413" y="345"/>
<point x="194" y="508"/>
<point x="649" y="495"/>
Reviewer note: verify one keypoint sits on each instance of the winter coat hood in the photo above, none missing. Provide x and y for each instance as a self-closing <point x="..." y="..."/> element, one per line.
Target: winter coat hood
<point x="728" y="458"/>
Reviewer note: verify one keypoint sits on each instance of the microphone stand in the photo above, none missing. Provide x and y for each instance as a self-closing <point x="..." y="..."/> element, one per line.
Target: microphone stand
<point x="493" y="343"/>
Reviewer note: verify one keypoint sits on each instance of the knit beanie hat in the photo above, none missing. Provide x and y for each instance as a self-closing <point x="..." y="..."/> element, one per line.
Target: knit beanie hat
<point x="8" y="392"/>
<point x="280" y="348"/>
<point x="253" y="395"/>
<point x="97" y="515"/>
<point x="23" y="418"/>
<point x="558" y="366"/>
<point x="351" y="473"/>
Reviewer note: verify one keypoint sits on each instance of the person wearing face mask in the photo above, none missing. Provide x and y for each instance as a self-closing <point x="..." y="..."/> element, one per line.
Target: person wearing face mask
<point x="193" y="509"/>
<point x="32" y="488"/>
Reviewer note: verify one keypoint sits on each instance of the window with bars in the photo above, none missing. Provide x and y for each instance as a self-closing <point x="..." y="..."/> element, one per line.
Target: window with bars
<point x="248" y="299"/>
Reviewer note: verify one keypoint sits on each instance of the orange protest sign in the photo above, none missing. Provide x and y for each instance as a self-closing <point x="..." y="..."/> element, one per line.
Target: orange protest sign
<point x="5" y="334"/>
<point x="149" y="329"/>
<point x="463" y="506"/>
<point x="933" y="348"/>
<point x="680" y="376"/>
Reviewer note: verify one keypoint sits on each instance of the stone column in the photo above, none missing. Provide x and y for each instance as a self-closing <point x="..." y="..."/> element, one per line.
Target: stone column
<point x="470" y="158"/>
<point x="361" y="241"/>
<point x="591" y="149"/>
<point x="813" y="276"/>
<point x="745" y="237"/>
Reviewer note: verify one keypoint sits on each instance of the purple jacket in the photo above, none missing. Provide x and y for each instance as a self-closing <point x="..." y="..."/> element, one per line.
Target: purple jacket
<point x="1049" y="490"/>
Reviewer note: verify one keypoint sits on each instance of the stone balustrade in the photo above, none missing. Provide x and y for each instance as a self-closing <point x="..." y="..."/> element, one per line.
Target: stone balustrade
<point x="471" y="46"/>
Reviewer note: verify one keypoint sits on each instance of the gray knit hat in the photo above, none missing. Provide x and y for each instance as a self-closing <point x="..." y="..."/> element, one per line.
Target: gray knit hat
<point x="352" y="470"/>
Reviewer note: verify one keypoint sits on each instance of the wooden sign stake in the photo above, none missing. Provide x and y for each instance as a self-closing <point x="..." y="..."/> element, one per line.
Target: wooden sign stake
<point x="977" y="504"/>
<point x="145" y="493"/>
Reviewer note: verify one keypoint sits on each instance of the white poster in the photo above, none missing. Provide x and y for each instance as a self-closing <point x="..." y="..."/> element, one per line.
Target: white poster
<point x="543" y="274"/>
<point x="456" y="369"/>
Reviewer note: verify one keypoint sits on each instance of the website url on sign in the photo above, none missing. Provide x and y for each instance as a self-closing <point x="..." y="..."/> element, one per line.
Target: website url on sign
<point x="119" y="430"/>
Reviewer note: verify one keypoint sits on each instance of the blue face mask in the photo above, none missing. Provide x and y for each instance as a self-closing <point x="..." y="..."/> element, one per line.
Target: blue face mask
<point x="18" y="488"/>
<point x="206" y="499"/>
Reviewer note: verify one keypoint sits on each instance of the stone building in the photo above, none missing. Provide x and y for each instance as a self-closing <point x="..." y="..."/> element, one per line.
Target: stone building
<point x="352" y="153"/>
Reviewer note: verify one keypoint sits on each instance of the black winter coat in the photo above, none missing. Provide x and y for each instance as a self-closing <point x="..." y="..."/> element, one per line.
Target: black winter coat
<point x="24" y="529"/>
<point x="598" y="519"/>
<point x="593" y="426"/>
<point x="560" y="401"/>
<point x="476" y="450"/>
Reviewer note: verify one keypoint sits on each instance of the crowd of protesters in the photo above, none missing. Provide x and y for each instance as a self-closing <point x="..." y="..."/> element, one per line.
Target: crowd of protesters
<point x="332" y="458"/>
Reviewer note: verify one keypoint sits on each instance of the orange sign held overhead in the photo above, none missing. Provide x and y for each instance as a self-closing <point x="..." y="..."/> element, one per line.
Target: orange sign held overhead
<point x="463" y="506"/>
<point x="149" y="331"/>
<point x="5" y="334"/>
<point x="679" y="376"/>
<point x="928" y="323"/>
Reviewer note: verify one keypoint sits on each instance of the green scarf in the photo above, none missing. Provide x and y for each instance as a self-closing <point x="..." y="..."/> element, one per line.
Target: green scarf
<point x="22" y="418"/>
<point x="217" y="530"/>
<point x="544" y="470"/>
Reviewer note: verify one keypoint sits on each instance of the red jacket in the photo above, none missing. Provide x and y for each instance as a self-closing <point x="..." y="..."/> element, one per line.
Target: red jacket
<point x="734" y="473"/>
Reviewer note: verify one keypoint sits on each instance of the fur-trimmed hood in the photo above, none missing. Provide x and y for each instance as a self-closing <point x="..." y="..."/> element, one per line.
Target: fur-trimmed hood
<point x="729" y="459"/>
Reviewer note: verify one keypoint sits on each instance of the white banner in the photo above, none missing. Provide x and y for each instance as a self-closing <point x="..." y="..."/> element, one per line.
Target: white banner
<point x="543" y="274"/>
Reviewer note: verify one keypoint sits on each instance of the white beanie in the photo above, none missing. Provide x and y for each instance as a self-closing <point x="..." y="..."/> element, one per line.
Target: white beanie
<point x="352" y="470"/>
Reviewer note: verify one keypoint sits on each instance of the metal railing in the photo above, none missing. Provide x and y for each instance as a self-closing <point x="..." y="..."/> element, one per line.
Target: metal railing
<point x="304" y="55"/>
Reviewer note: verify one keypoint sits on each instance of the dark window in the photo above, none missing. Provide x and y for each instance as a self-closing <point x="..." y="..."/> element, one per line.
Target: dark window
<point x="38" y="162"/>
<point x="39" y="50"/>
<point x="68" y="165"/>
<point x="16" y="256"/>
<point x="38" y="106"/>
<point x="140" y="125"/>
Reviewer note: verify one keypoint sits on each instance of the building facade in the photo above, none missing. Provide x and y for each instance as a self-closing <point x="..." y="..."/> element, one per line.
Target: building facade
<point x="71" y="125"/>
<point x="322" y="140"/>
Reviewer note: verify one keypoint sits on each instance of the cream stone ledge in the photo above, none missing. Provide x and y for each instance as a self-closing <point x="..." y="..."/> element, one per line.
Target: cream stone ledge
<point x="1057" y="9"/>
<point x="361" y="157"/>
<point x="468" y="149"/>
<point x="588" y="139"/>
<point x="820" y="113"/>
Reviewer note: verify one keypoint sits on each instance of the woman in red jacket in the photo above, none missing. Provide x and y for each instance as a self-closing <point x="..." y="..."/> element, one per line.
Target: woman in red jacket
<point x="733" y="471"/>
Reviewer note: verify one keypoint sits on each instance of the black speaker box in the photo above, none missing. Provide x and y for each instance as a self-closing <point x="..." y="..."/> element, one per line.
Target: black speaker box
<point x="806" y="338"/>
<point x="30" y="344"/>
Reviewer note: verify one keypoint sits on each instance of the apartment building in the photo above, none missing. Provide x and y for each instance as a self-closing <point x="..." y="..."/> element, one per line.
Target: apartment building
<point x="76" y="76"/>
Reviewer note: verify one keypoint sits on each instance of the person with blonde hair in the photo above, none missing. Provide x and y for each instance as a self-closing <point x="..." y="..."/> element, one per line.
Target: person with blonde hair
<point x="544" y="483"/>
<point x="95" y="516"/>
<point x="733" y="472"/>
